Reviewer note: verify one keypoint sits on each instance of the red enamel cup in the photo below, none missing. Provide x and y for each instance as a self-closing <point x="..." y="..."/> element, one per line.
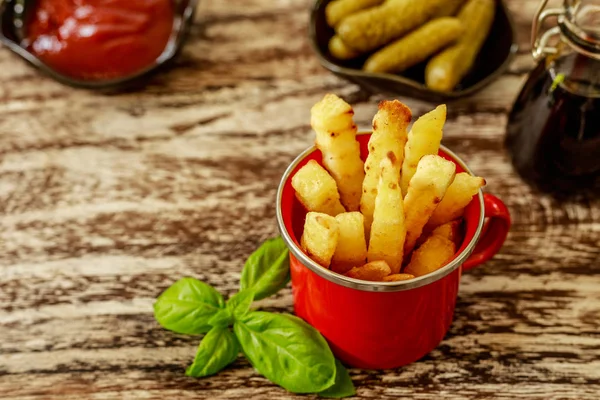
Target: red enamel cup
<point x="380" y="325"/>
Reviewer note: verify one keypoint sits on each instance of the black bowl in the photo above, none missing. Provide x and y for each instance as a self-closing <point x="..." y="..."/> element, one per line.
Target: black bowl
<point x="15" y="13"/>
<point x="493" y="59"/>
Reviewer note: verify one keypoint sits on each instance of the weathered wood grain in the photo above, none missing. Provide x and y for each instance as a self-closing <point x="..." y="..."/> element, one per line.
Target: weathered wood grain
<point x="107" y="198"/>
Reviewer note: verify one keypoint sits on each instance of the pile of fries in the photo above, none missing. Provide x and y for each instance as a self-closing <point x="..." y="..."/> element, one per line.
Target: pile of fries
<point x="394" y="217"/>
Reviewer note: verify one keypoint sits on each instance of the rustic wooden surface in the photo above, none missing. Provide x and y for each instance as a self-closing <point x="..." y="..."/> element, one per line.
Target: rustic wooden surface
<point x="105" y="200"/>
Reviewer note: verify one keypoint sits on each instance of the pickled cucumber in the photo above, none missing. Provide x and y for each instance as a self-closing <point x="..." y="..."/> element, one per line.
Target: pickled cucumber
<point x="415" y="47"/>
<point x="340" y="50"/>
<point x="444" y="71"/>
<point x="449" y="8"/>
<point x="374" y="27"/>
<point x="339" y="9"/>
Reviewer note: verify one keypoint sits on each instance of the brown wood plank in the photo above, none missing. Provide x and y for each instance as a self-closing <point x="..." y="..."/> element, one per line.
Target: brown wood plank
<point x="556" y="304"/>
<point x="107" y="198"/>
<point x="112" y="275"/>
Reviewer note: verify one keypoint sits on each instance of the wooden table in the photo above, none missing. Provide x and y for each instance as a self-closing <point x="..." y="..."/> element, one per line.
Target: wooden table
<point x="105" y="200"/>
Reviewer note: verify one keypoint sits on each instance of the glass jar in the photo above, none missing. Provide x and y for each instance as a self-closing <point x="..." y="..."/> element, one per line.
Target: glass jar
<point x="553" y="131"/>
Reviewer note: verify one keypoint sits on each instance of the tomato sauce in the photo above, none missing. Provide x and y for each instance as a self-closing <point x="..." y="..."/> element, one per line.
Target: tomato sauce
<point x="100" y="39"/>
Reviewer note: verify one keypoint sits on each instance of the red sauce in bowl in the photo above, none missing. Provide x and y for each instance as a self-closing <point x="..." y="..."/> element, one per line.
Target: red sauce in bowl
<point x="100" y="39"/>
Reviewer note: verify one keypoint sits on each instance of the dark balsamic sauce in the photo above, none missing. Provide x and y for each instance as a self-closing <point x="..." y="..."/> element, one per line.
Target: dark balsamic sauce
<point x="553" y="131"/>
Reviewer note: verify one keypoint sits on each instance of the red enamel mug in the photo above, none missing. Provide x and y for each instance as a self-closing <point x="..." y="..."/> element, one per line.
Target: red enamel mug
<point x="381" y="325"/>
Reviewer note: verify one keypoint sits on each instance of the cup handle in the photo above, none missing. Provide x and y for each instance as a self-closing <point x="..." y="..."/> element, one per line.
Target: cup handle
<point x="493" y="234"/>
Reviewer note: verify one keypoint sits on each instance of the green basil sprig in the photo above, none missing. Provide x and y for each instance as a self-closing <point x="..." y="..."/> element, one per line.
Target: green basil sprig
<point x="267" y="270"/>
<point x="218" y="349"/>
<point x="287" y="350"/>
<point x="187" y="306"/>
<point x="239" y="304"/>
<point x="342" y="387"/>
<point x="282" y="347"/>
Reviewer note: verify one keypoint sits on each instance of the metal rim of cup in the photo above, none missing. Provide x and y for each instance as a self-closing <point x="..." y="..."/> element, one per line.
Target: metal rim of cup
<point x="366" y="285"/>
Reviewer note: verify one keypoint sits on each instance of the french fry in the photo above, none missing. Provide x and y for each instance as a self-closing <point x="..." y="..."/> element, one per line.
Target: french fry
<point x="374" y="271"/>
<point x="411" y="199"/>
<point x="451" y="230"/>
<point x="424" y="138"/>
<point x="397" y="277"/>
<point x="351" y="248"/>
<point x="317" y="190"/>
<point x="388" y="230"/>
<point x="427" y="188"/>
<point x="320" y="237"/>
<point x="388" y="140"/>
<point x="331" y="119"/>
<point x="432" y="255"/>
<point x="458" y="196"/>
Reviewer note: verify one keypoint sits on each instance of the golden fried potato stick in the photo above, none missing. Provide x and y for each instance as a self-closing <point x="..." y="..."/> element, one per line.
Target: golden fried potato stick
<point x="351" y="248"/>
<point x="451" y="230"/>
<point x="457" y="197"/>
<point x="317" y="190"/>
<point x="388" y="230"/>
<point x="320" y="237"/>
<point x="388" y="139"/>
<point x="425" y="191"/>
<point x="424" y="138"/>
<point x="374" y="271"/>
<point x="432" y="255"/>
<point x="331" y="119"/>
<point x="398" y="277"/>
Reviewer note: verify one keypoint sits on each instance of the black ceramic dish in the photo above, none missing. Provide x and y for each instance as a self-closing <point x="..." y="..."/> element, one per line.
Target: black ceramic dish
<point x="14" y="13"/>
<point x="493" y="59"/>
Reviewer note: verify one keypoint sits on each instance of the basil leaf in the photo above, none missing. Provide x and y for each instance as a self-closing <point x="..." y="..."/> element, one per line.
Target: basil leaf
<point x="187" y="305"/>
<point x="218" y="348"/>
<point x="286" y="350"/>
<point x="267" y="270"/>
<point x="343" y="386"/>
<point x="221" y="319"/>
<point x="239" y="304"/>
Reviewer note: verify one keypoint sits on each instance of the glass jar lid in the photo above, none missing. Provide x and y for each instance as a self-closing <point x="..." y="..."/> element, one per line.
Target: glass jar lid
<point x="578" y="26"/>
<point x="581" y="23"/>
